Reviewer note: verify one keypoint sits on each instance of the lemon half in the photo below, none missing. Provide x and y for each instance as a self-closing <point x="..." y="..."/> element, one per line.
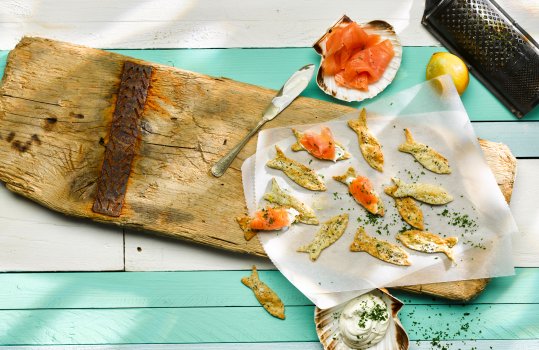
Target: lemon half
<point x="445" y="63"/>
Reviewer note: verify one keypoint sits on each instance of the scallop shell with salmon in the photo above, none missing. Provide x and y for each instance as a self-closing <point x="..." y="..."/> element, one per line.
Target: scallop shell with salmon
<point x="329" y="333"/>
<point x="379" y="53"/>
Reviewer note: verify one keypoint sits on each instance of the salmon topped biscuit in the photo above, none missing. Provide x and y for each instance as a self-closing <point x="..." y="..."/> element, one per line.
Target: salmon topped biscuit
<point x="378" y="248"/>
<point x="297" y="172"/>
<point x="280" y="197"/>
<point x="321" y="146"/>
<point x="368" y="144"/>
<point x="426" y="193"/>
<point x="267" y="219"/>
<point x="425" y="155"/>
<point x="427" y="242"/>
<point x="362" y="190"/>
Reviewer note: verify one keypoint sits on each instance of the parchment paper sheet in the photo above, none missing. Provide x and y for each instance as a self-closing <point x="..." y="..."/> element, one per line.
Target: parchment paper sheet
<point x="435" y="115"/>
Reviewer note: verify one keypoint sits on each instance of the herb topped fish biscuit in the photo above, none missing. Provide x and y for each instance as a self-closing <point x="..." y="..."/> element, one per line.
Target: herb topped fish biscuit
<point x="280" y="197"/>
<point x="264" y="294"/>
<point x="362" y="190"/>
<point x="425" y="155"/>
<point x="426" y="193"/>
<point x="378" y="248"/>
<point x="297" y="172"/>
<point x="427" y="242"/>
<point x="368" y="144"/>
<point x="328" y="234"/>
<point x="321" y="146"/>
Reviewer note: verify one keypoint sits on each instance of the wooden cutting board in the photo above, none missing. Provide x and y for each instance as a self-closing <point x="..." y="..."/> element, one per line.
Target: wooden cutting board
<point x="56" y="106"/>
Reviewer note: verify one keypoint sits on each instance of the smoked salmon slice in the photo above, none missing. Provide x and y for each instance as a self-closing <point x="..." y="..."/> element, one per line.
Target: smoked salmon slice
<point x="269" y="219"/>
<point x="319" y="145"/>
<point x="342" y="43"/>
<point x="362" y="190"/>
<point x="355" y="58"/>
<point x="373" y="61"/>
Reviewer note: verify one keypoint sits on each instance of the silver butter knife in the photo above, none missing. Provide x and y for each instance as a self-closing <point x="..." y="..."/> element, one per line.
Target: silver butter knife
<point x="288" y="93"/>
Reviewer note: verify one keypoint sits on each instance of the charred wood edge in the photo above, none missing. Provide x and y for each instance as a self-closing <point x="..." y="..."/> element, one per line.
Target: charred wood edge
<point x="123" y="139"/>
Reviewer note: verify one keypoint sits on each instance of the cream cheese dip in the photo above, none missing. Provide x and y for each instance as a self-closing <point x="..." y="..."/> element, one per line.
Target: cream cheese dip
<point x="364" y="321"/>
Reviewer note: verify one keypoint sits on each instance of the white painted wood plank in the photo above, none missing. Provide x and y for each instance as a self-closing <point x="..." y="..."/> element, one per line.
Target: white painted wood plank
<point x="34" y="238"/>
<point x="525" y="344"/>
<point x="525" y="209"/>
<point x="211" y="24"/>
<point x="147" y="252"/>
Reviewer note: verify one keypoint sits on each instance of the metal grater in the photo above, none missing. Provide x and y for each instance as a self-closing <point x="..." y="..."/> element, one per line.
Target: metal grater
<point x="497" y="50"/>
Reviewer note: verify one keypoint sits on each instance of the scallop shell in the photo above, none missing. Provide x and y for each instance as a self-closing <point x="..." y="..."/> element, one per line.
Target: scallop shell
<point x="328" y="84"/>
<point x="327" y="326"/>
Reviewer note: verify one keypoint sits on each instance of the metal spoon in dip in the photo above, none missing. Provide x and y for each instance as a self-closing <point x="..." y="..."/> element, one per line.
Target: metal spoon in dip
<point x="288" y="93"/>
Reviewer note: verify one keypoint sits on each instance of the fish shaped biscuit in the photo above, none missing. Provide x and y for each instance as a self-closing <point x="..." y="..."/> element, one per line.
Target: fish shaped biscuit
<point x="265" y="296"/>
<point x="328" y="234"/>
<point x="427" y="193"/>
<point x="267" y="219"/>
<point x="321" y="146"/>
<point x="297" y="172"/>
<point x="368" y="144"/>
<point x="278" y="196"/>
<point x="407" y="208"/>
<point x="245" y="225"/>
<point x="425" y="155"/>
<point x="380" y="249"/>
<point x="362" y="190"/>
<point x="427" y="242"/>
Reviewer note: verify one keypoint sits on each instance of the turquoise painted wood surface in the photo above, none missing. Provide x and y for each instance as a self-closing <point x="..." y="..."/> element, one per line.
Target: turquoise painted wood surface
<point x="271" y="67"/>
<point x="200" y="289"/>
<point x="522" y="344"/>
<point x="250" y="324"/>
<point x="192" y="307"/>
<point x="214" y="307"/>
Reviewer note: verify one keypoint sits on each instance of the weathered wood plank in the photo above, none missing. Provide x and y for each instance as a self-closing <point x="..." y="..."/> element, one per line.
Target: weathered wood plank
<point x="228" y="23"/>
<point x="187" y="121"/>
<point x="188" y="117"/>
<point x="251" y="324"/>
<point x="230" y="63"/>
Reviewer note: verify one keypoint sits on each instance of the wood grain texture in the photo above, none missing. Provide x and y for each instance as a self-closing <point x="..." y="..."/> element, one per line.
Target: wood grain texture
<point x="188" y="121"/>
<point x="271" y="67"/>
<point x="205" y="23"/>
<point x="188" y="289"/>
<point x="257" y="66"/>
<point x="55" y="250"/>
<point x="251" y="324"/>
<point x="146" y="252"/>
<point x="150" y="204"/>
<point x="33" y="238"/>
